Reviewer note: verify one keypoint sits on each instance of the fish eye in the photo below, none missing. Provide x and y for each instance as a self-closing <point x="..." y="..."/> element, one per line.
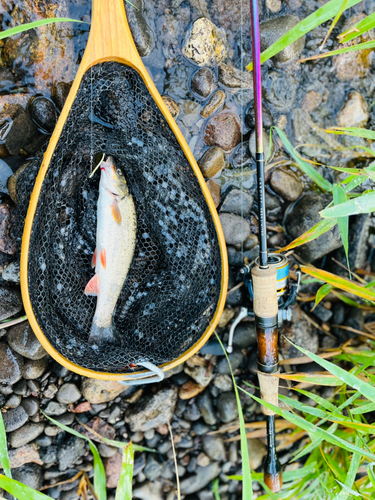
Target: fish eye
<point x="119" y="172"/>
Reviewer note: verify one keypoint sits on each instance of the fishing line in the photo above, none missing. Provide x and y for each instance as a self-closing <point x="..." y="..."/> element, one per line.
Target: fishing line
<point x="97" y="166"/>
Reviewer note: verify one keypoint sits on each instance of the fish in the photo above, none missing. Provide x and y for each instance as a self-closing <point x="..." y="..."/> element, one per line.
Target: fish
<point x="115" y="244"/>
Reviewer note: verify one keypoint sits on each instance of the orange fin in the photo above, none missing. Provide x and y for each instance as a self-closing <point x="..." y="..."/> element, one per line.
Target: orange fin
<point x="93" y="261"/>
<point x="92" y="287"/>
<point x="116" y="212"/>
<point x="103" y="257"/>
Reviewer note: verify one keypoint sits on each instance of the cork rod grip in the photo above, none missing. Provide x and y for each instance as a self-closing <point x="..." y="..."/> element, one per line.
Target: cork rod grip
<point x="269" y="389"/>
<point x="265" y="292"/>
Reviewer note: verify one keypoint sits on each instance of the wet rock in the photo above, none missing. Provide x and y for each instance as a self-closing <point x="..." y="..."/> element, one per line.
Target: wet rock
<point x="236" y="229"/>
<point x="152" y="410"/>
<point x="24" y="455"/>
<point x="31" y="406"/>
<point x="71" y="451"/>
<point x="20" y="387"/>
<point x="358" y="248"/>
<point x="101" y="391"/>
<point x="205" y="43"/>
<point x="138" y="26"/>
<point x="199" y="374"/>
<point x="303" y="216"/>
<point x="17" y="129"/>
<point x="214" y="448"/>
<point x="65" y="419"/>
<point x="301" y="333"/>
<point x="113" y="470"/>
<point x="14" y="419"/>
<point x="354" y="112"/>
<point x="212" y="162"/>
<point x="322" y="312"/>
<point x="30" y="474"/>
<point x="205" y="405"/>
<point x="13" y="401"/>
<point x="5" y="174"/>
<point x="107" y="451"/>
<point x="237" y="202"/>
<point x="266" y="146"/>
<point x="223" y="383"/>
<point x="214" y="189"/>
<point x="266" y="115"/>
<point x="235" y="358"/>
<point x="354" y="64"/>
<point x="245" y="335"/>
<point x="22" y="339"/>
<point x="59" y="93"/>
<point x="227" y="407"/>
<point x="54" y="409"/>
<point x="286" y="184"/>
<point x="7" y="242"/>
<point x="200" y="479"/>
<point x="203" y="82"/>
<point x="223" y="130"/>
<point x="10" y="304"/>
<point x="25" y="434"/>
<point x="311" y="101"/>
<point x="11" y="365"/>
<point x="280" y="91"/>
<point x="68" y="393"/>
<point x="149" y="491"/>
<point x="101" y="427"/>
<point x="241" y="156"/>
<point x="43" y="112"/>
<point x="214" y="104"/>
<point x="12" y="273"/>
<point x="171" y="105"/>
<point x="190" y="390"/>
<point x="257" y="451"/>
<point x="35" y="368"/>
<point x="272" y="30"/>
<point x="235" y="78"/>
<point x="153" y="468"/>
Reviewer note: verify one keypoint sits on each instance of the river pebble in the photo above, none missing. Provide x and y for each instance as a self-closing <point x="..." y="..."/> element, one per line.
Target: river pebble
<point x="43" y="112"/>
<point x="223" y="130"/>
<point x="214" y="448"/>
<point x="234" y="78"/>
<point x="354" y="112"/>
<point x="236" y="229"/>
<point x="22" y="339"/>
<point x="171" y="105"/>
<point x="203" y="82"/>
<point x="206" y="407"/>
<point x="237" y="202"/>
<point x="35" y="368"/>
<point x="272" y="30"/>
<point x="71" y="451"/>
<point x="214" y="189"/>
<point x="68" y="393"/>
<point x="59" y="94"/>
<point x="311" y="101"/>
<point x="101" y="391"/>
<point x="139" y="28"/>
<point x="214" y="104"/>
<point x="212" y="162"/>
<point x="227" y="407"/>
<point x="7" y="242"/>
<point x="11" y="365"/>
<point x="14" y="419"/>
<point x="302" y="333"/>
<point x="286" y="184"/>
<point x="202" y="477"/>
<point x="25" y="434"/>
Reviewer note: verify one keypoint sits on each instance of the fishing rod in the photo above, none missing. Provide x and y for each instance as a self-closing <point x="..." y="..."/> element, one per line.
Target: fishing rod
<point x="267" y="281"/>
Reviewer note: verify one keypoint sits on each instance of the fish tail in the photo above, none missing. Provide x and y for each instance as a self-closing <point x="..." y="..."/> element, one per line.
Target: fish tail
<point x="104" y="335"/>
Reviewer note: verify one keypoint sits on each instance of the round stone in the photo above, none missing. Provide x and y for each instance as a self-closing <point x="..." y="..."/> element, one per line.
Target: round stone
<point x="212" y="162"/>
<point x="68" y="393"/>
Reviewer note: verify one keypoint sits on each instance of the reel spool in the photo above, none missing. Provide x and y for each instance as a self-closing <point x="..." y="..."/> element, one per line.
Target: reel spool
<point x="286" y="292"/>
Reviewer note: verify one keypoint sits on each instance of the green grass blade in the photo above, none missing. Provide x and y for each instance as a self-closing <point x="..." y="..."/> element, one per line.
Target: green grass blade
<point x="329" y="10"/>
<point x="334" y="22"/>
<point x="37" y="24"/>
<point x="312" y="429"/>
<point x="215" y="488"/>
<point x="348" y="378"/>
<point x="322" y="227"/>
<point x="124" y="488"/>
<point x="247" y="489"/>
<point x="361" y="410"/>
<point x="363" y="204"/>
<point x="306" y="167"/>
<point x="310" y="410"/>
<point x="4" y="457"/>
<point x="318" y="399"/>
<point x="363" y="172"/>
<point x="358" y="29"/>
<point x="353" y="131"/>
<point x="99" y="471"/>
<point x="21" y="491"/>
<point x="323" y="291"/>
<point x="354" y="181"/>
<point x="353" y="48"/>
<point x="338" y="282"/>
<point x="339" y="197"/>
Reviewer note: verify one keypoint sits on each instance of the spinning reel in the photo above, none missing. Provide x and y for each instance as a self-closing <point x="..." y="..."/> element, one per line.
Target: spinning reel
<point x="286" y="291"/>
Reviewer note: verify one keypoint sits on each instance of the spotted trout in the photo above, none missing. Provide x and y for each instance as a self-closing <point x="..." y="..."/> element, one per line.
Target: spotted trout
<point x="115" y="244"/>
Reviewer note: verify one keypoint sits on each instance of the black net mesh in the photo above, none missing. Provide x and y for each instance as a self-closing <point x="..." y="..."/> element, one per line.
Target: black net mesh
<point x="173" y="286"/>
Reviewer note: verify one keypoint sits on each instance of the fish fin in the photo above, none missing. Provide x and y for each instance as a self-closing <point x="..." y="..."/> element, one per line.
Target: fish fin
<point x="93" y="261"/>
<point x="116" y="212"/>
<point x="103" y="257"/>
<point x="92" y="287"/>
<point x="104" y="335"/>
